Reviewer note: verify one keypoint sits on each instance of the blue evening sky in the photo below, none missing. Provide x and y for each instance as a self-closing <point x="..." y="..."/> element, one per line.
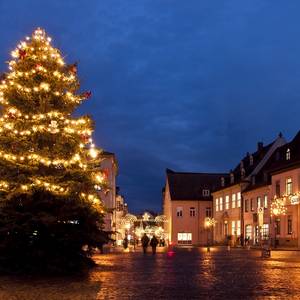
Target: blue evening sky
<point x="188" y="85"/>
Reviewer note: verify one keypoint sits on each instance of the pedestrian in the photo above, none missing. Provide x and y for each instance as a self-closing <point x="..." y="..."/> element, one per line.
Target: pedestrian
<point x="145" y="242"/>
<point x="125" y="243"/>
<point x="153" y="244"/>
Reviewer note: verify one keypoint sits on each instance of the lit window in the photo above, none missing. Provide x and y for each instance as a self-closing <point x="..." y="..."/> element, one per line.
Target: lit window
<point x="217" y="204"/>
<point x="258" y="202"/>
<point x="208" y="212"/>
<point x="192" y="212"/>
<point x="251" y="205"/>
<point x="179" y="211"/>
<point x="289" y="186"/>
<point x="205" y="193"/>
<point x="233" y="199"/>
<point x="233" y="229"/>
<point x="238" y="199"/>
<point x="265" y="231"/>
<point x="266" y="201"/>
<point x="248" y="232"/>
<point x="221" y="203"/>
<point x="238" y="227"/>
<point x="227" y="202"/>
<point x="288" y="154"/>
<point x="184" y="238"/>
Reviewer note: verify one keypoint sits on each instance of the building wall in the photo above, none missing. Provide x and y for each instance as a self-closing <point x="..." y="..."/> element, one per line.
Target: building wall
<point x="185" y="224"/>
<point x="286" y="238"/>
<point x="108" y="197"/>
<point x="228" y="220"/>
<point x="251" y="221"/>
<point x="167" y="212"/>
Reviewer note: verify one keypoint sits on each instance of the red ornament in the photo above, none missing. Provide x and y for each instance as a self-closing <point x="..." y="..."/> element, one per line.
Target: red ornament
<point x="38" y="66"/>
<point x="11" y="115"/>
<point x="87" y="95"/>
<point x="85" y="138"/>
<point x="73" y="68"/>
<point x="22" y="53"/>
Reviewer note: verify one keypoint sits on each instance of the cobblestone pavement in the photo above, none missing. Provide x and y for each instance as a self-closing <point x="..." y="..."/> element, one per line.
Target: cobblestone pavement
<point x="186" y="274"/>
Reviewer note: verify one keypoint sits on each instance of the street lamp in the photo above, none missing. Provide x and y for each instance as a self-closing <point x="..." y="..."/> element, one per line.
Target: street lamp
<point x="208" y="224"/>
<point x="278" y="208"/>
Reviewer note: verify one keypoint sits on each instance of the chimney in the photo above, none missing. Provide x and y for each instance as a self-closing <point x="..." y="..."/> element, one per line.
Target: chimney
<point x="260" y="146"/>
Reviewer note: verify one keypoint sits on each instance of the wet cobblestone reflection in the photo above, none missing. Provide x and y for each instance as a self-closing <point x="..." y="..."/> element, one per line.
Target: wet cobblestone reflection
<point x="188" y="274"/>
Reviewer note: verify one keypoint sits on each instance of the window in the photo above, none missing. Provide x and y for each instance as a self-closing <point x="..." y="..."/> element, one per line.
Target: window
<point x="238" y="227"/>
<point x="227" y="202"/>
<point x="251" y="160"/>
<point x="192" y="212"/>
<point x="231" y="178"/>
<point x="208" y="212"/>
<point x="243" y="172"/>
<point x="179" y="211"/>
<point x="289" y="186"/>
<point x="184" y="238"/>
<point x="221" y="203"/>
<point x="248" y="232"/>
<point x="222" y="181"/>
<point x="265" y="201"/>
<point x="277" y="188"/>
<point x="246" y="205"/>
<point x="277" y="226"/>
<point x="217" y="204"/>
<point x="265" y="232"/>
<point x="205" y="193"/>
<point x="290" y="225"/>
<point x="233" y="229"/>
<point x="251" y="205"/>
<point x="233" y="199"/>
<point x="288" y="154"/>
<point x="258" y="202"/>
<point x="238" y="199"/>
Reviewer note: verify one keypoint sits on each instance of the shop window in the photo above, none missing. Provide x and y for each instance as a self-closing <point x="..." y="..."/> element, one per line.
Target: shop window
<point x="233" y="229"/>
<point x="277" y="226"/>
<point x="248" y="232"/>
<point x="184" y="238"/>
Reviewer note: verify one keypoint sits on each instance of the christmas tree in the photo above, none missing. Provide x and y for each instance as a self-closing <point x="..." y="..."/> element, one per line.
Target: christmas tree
<point x="50" y="213"/>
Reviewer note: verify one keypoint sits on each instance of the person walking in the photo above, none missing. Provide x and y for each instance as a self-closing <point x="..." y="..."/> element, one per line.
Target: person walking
<point x="153" y="244"/>
<point x="145" y="242"/>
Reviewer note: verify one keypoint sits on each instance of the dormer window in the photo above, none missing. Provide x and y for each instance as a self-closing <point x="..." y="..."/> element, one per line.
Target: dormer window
<point x="222" y="181"/>
<point x="231" y="178"/>
<point x="205" y="193"/>
<point x="242" y="165"/>
<point x="243" y="172"/>
<point x="251" y="160"/>
<point x="288" y="154"/>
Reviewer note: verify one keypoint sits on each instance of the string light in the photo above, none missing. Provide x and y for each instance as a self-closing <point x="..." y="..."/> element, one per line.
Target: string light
<point x="47" y="63"/>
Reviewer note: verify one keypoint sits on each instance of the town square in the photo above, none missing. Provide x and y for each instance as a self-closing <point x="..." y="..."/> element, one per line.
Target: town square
<point x="149" y="150"/>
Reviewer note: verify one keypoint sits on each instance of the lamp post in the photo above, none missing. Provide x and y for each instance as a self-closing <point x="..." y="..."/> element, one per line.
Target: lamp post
<point x="208" y="224"/>
<point x="278" y="208"/>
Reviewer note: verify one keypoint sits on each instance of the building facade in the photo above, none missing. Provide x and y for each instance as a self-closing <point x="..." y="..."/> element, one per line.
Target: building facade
<point x="187" y="202"/>
<point x="109" y="168"/>
<point x="229" y="201"/>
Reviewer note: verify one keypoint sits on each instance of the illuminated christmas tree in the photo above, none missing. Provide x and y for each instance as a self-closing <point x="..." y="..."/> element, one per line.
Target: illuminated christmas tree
<point x="49" y="166"/>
